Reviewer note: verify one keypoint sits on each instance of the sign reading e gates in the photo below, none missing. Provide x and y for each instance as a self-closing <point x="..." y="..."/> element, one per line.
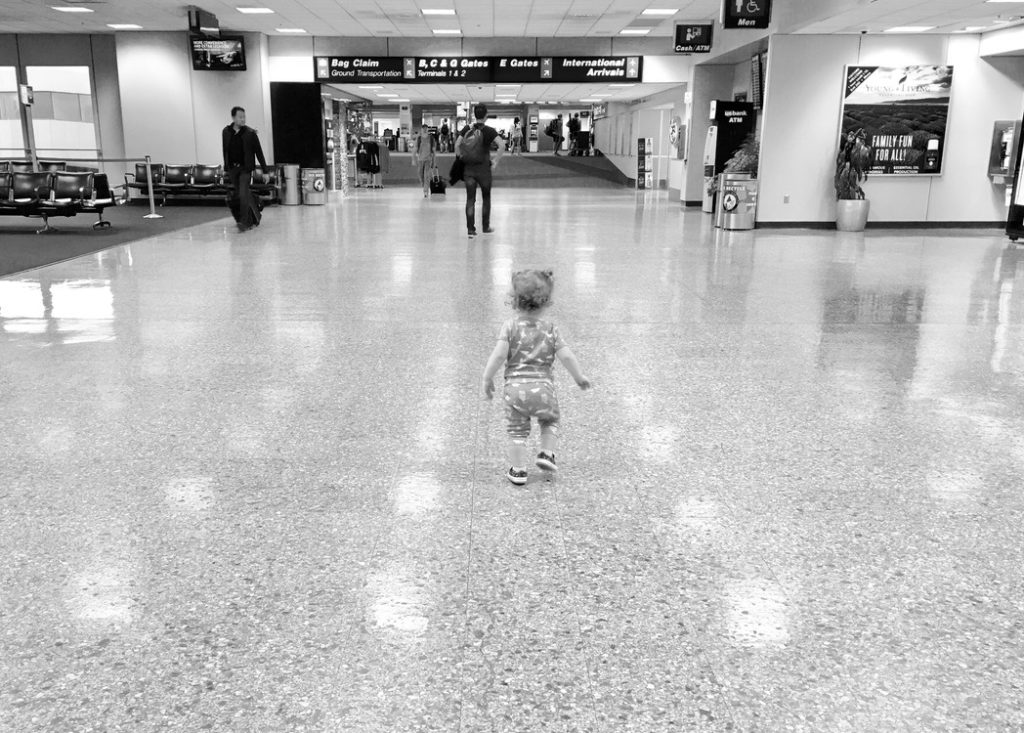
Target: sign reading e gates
<point x="479" y="69"/>
<point x="694" y="37"/>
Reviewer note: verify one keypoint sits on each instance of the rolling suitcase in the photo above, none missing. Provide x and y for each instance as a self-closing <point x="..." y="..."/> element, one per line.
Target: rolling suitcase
<point x="437" y="184"/>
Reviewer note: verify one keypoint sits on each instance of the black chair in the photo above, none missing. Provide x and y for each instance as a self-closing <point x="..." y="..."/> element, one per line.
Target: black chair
<point x="67" y="198"/>
<point x="5" y="166"/>
<point x="138" y="179"/>
<point x="265" y="185"/>
<point x="21" y="166"/>
<point x="177" y="179"/>
<point x="207" y="179"/>
<point x="52" y="166"/>
<point x="5" y="188"/>
<point x="102" y="198"/>
<point x="29" y="191"/>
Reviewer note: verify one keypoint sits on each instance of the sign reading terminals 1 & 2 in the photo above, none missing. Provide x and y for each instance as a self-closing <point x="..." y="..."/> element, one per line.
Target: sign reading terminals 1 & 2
<point x="478" y="69"/>
<point x="746" y="13"/>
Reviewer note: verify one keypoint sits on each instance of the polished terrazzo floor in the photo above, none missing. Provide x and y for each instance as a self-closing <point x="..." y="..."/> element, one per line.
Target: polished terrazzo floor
<point x="249" y="483"/>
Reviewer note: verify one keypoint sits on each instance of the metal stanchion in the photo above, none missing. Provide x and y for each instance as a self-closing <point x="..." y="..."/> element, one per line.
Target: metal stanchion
<point x="149" y="185"/>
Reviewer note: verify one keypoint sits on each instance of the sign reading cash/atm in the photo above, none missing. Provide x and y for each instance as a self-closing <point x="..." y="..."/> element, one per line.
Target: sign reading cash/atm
<point x="478" y="70"/>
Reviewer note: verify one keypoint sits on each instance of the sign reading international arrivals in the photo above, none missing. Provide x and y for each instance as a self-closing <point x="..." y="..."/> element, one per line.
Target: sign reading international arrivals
<point x="904" y="113"/>
<point x="746" y="13"/>
<point x="478" y="69"/>
<point x="694" y="37"/>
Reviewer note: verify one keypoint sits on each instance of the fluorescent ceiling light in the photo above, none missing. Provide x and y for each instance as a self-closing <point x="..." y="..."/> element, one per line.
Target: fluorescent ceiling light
<point x="910" y="29"/>
<point x="386" y="94"/>
<point x="291" y="30"/>
<point x="124" y="26"/>
<point x="635" y="31"/>
<point x="447" y="32"/>
<point x="372" y="86"/>
<point x="399" y="100"/>
<point x="72" y="9"/>
<point x="602" y="95"/>
<point x="255" y="11"/>
<point x="973" y="29"/>
<point x="438" y="11"/>
<point x="622" y="85"/>
<point x="660" y="11"/>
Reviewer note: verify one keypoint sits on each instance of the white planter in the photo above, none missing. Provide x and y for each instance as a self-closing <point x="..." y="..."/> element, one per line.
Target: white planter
<point x="852" y="216"/>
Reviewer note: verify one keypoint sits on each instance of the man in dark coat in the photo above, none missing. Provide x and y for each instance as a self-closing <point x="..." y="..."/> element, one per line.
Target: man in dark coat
<point x="241" y="151"/>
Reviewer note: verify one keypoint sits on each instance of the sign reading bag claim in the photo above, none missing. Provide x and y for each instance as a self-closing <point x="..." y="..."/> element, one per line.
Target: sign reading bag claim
<point x="478" y="69"/>
<point x="904" y="112"/>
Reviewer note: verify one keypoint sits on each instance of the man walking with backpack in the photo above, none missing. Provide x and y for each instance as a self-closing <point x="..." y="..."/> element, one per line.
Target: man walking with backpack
<point x="475" y="146"/>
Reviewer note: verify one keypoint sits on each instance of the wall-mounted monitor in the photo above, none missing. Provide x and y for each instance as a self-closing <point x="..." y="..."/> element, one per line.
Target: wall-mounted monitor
<point x="226" y="53"/>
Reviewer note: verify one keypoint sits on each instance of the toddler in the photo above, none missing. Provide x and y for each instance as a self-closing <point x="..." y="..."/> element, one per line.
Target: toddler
<point x="527" y="346"/>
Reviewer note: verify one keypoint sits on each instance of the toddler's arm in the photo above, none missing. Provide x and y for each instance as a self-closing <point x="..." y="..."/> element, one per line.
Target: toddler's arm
<point x="568" y="360"/>
<point x="498" y="357"/>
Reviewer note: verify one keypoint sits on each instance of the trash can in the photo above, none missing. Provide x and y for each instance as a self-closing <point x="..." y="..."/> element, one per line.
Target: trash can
<point x="290" y="185"/>
<point x="314" y="187"/>
<point x="737" y="201"/>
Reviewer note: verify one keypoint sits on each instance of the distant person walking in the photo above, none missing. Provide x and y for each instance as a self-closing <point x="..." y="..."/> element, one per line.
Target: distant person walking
<point x="446" y="137"/>
<point x="555" y="131"/>
<point x="423" y="157"/>
<point x="475" y="146"/>
<point x="241" y="151"/>
<point x="574" y="134"/>
<point x="517" y="137"/>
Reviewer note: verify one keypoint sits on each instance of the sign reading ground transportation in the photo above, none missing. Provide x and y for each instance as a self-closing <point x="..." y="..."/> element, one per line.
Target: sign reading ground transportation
<point x="746" y="13"/>
<point x="694" y="37"/>
<point x="903" y="111"/>
<point x="478" y="69"/>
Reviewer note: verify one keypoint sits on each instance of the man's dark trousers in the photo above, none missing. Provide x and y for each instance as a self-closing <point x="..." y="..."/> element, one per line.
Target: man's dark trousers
<point x="478" y="178"/>
<point x="242" y="203"/>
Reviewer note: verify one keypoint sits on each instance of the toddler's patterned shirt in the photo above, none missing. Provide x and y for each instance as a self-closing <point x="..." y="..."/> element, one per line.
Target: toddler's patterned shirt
<point x="532" y="345"/>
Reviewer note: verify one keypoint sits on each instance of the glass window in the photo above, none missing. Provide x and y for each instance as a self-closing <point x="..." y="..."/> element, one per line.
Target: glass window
<point x="62" y="131"/>
<point x="42" y="105"/>
<point x="12" y="141"/>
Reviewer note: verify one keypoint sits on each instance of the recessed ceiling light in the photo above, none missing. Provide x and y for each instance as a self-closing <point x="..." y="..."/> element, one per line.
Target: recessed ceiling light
<point x="910" y="29"/>
<point x="72" y="9"/>
<point x="399" y="100"/>
<point x="660" y="11"/>
<point x="635" y="31"/>
<point x="602" y="95"/>
<point x="255" y="11"/>
<point x="124" y="26"/>
<point x="291" y="30"/>
<point x="622" y="85"/>
<point x="972" y="29"/>
<point x="438" y="11"/>
<point x="386" y="94"/>
<point x="372" y="86"/>
<point x="447" y="32"/>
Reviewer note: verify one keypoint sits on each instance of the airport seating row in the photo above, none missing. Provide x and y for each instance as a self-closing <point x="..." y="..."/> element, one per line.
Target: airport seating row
<point x="197" y="181"/>
<point x="48" y="193"/>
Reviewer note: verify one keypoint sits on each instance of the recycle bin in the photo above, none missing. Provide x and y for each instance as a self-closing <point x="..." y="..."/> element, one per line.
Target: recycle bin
<point x="737" y="201"/>
<point x="290" y="185"/>
<point x="314" y="186"/>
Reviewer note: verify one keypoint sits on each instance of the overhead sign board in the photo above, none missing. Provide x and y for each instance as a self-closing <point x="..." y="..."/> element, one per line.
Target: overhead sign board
<point x="694" y="37"/>
<point x="478" y="69"/>
<point x="226" y="53"/>
<point x="746" y="13"/>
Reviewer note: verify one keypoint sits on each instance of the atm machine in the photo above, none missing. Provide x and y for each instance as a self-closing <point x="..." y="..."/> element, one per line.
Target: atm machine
<point x="731" y="123"/>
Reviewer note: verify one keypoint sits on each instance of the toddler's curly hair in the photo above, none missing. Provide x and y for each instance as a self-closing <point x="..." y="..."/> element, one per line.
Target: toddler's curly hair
<point x="531" y="289"/>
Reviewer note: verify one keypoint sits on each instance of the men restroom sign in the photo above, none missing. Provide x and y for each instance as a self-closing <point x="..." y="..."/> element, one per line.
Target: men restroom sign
<point x="746" y="13"/>
<point x="693" y="37"/>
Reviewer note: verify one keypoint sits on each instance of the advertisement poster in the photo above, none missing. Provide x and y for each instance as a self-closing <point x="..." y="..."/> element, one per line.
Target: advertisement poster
<point x="226" y="53"/>
<point x="904" y="111"/>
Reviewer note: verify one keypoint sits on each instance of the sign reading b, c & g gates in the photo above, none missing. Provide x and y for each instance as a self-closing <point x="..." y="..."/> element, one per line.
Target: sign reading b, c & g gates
<point x="478" y="69"/>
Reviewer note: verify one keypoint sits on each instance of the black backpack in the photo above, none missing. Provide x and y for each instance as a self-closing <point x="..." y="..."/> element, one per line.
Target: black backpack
<point x="552" y="129"/>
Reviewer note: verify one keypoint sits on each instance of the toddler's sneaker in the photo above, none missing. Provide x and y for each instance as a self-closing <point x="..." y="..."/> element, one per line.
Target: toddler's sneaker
<point x="519" y="478"/>
<point x="546" y="461"/>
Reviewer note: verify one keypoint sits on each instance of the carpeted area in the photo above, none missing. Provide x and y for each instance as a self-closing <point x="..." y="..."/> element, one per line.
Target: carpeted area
<point x="22" y="249"/>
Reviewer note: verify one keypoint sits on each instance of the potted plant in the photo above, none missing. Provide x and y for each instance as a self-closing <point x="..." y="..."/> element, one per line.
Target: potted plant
<point x="852" y="164"/>
<point x="744" y="160"/>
